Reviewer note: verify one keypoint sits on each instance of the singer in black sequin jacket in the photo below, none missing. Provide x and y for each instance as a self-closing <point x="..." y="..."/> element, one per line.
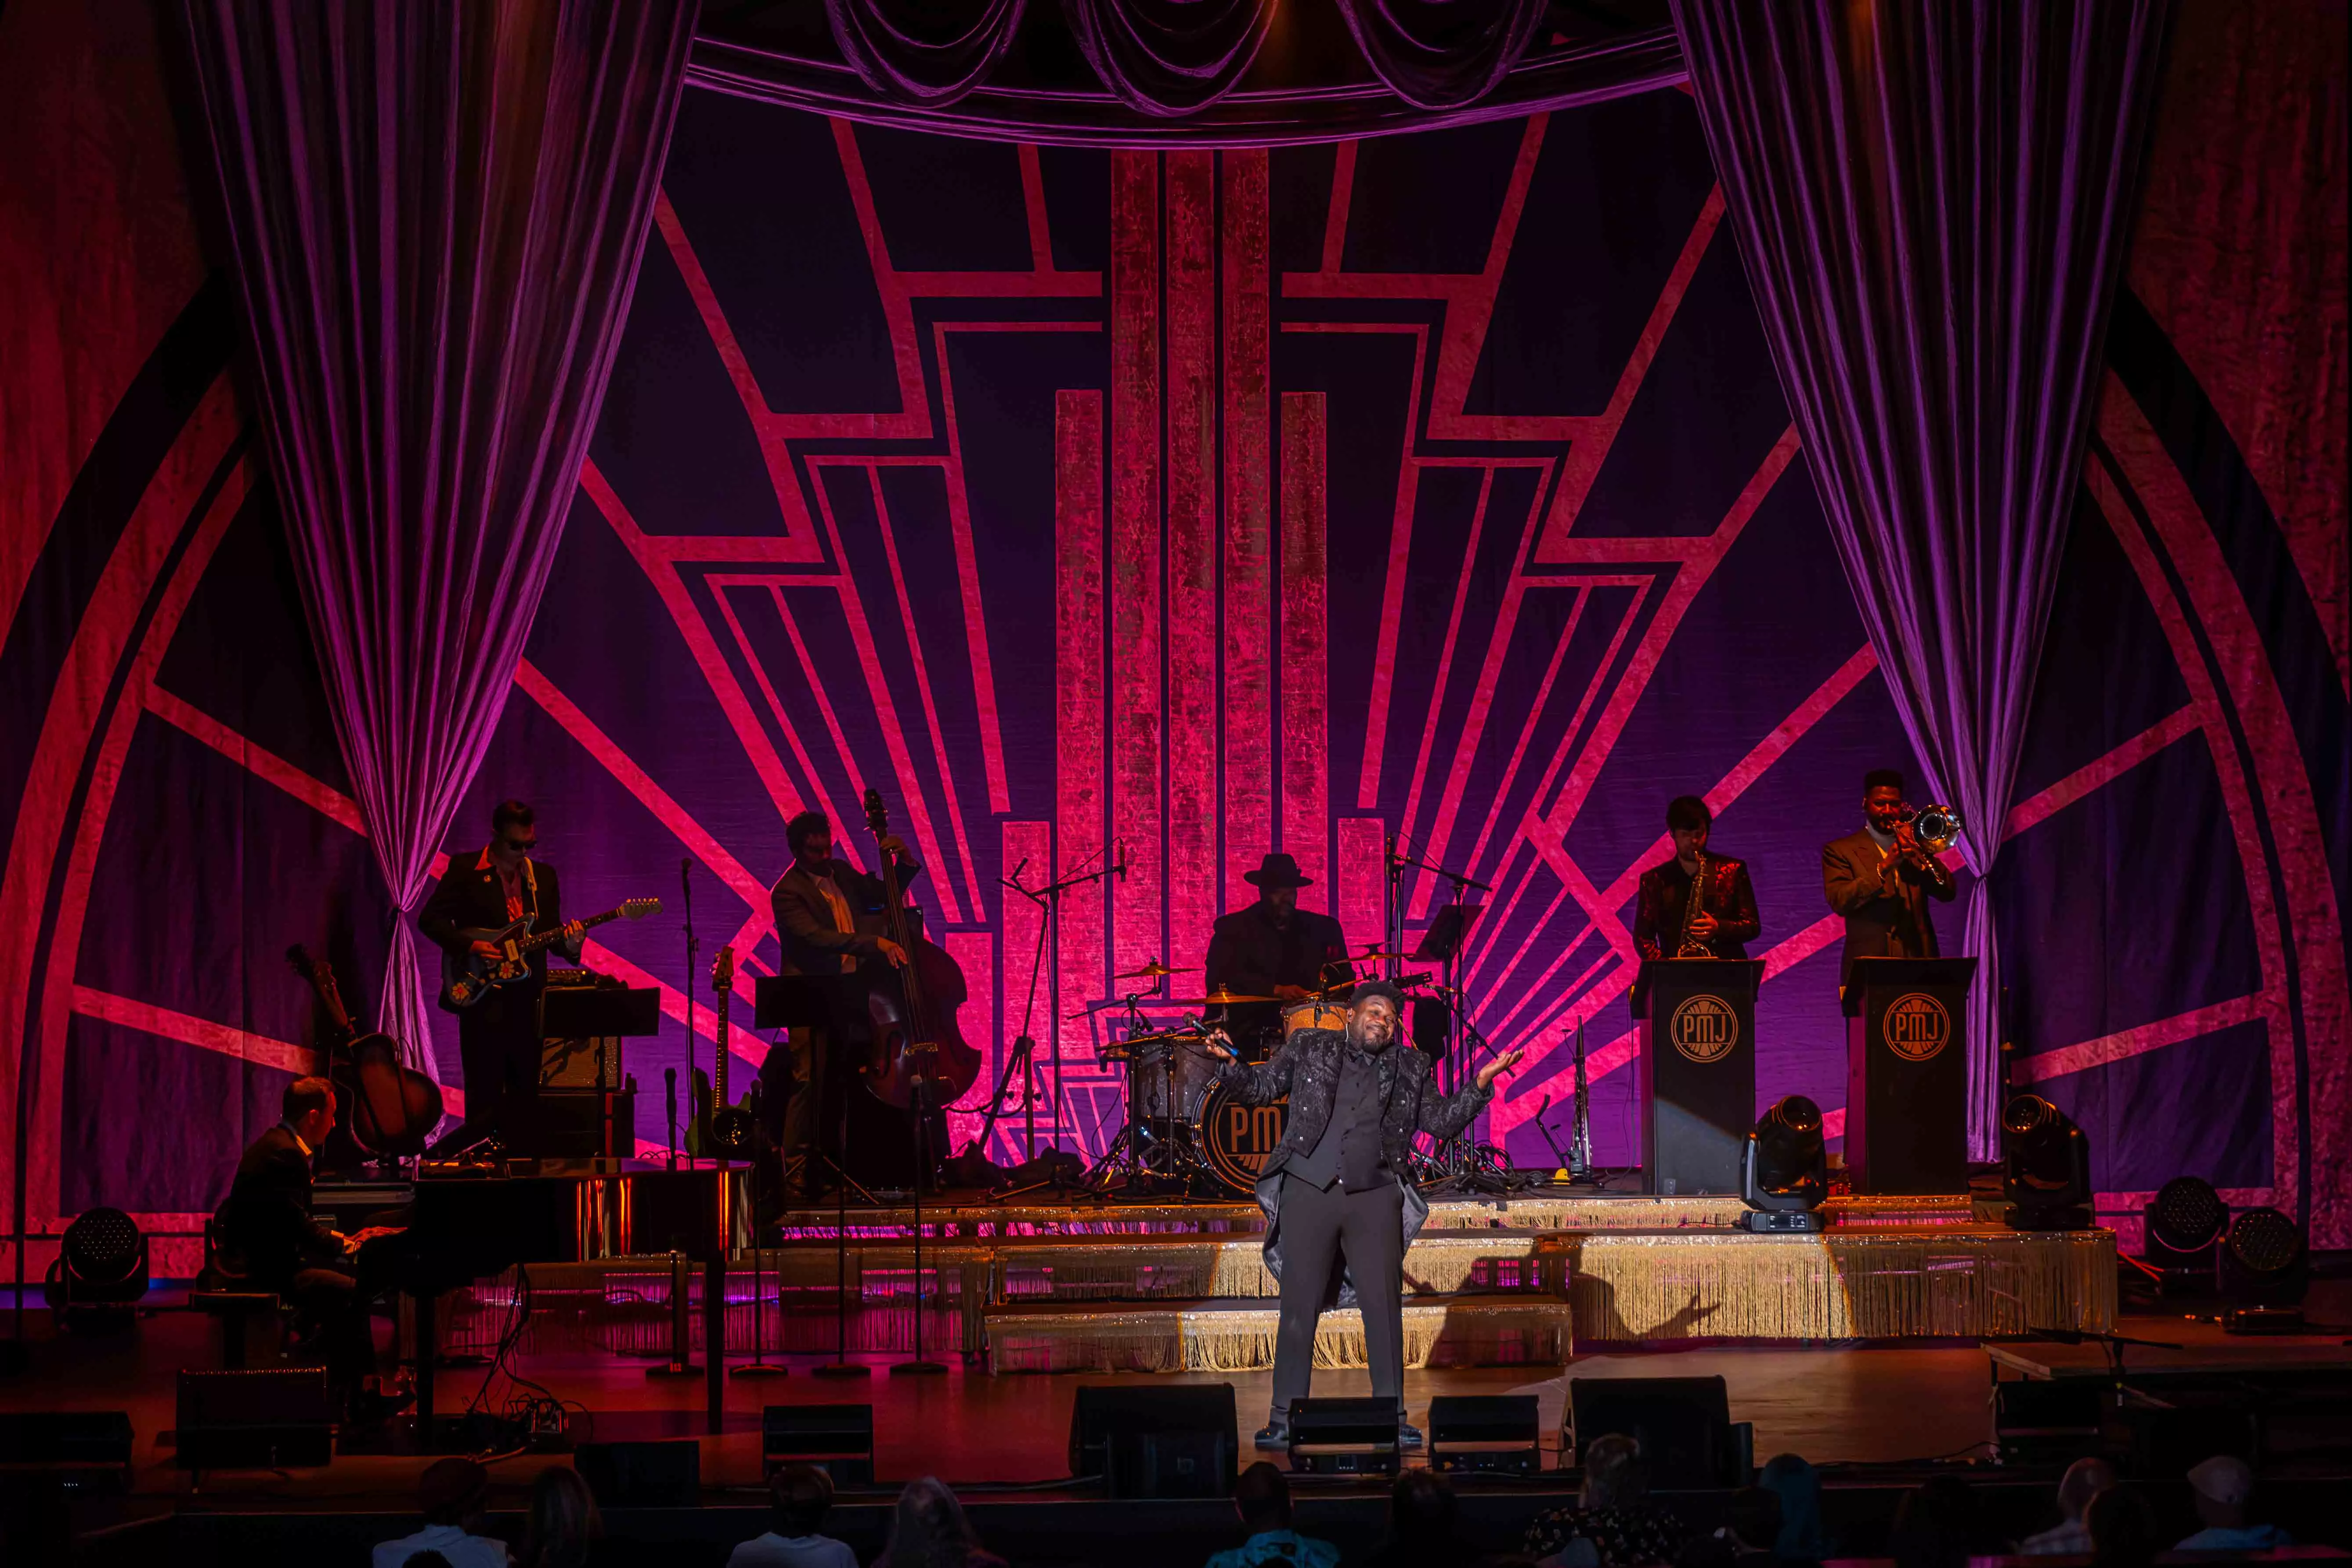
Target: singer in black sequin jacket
<point x="1307" y="1069"/>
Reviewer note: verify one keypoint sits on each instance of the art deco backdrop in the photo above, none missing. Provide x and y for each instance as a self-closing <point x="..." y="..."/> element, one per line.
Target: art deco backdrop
<point x="1204" y="503"/>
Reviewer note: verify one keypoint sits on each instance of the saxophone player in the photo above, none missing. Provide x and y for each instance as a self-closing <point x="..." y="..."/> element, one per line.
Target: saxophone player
<point x="1698" y="904"/>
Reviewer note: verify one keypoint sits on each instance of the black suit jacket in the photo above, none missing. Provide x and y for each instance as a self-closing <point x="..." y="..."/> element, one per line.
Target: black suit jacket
<point x="469" y="898"/>
<point x="804" y="927"/>
<point x="265" y="1223"/>
<point x="1886" y="916"/>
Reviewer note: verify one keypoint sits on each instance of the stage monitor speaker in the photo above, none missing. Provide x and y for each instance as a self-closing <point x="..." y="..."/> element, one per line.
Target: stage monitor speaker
<point x="2053" y="1423"/>
<point x="1497" y="1434"/>
<point x="276" y="1418"/>
<point x="568" y="1124"/>
<point x="1345" y="1436"/>
<point x="836" y="1439"/>
<point x="642" y="1475"/>
<point x="1683" y="1424"/>
<point x="1156" y="1442"/>
<point x="65" y="1439"/>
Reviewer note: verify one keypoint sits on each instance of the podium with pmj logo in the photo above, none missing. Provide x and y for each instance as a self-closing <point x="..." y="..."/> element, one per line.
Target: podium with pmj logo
<point x="1906" y="1075"/>
<point x="1697" y="1018"/>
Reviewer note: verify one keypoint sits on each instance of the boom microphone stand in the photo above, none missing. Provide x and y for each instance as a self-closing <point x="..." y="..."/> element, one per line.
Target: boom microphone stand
<point x="1051" y="895"/>
<point x="686" y="887"/>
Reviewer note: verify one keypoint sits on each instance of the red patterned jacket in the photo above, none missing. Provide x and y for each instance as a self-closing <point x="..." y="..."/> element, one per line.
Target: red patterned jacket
<point x="1658" y="917"/>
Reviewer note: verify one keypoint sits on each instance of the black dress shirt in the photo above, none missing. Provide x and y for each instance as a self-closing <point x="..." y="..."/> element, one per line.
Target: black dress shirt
<point x="1349" y="1148"/>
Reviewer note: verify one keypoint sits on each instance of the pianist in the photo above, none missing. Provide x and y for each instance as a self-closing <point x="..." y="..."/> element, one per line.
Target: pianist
<point x="269" y="1238"/>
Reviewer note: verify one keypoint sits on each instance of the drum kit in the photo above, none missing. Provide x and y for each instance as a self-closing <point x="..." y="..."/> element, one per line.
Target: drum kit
<point x="1187" y="1131"/>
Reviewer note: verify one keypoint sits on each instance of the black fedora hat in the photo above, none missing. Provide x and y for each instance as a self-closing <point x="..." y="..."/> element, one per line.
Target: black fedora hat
<point x="1278" y="871"/>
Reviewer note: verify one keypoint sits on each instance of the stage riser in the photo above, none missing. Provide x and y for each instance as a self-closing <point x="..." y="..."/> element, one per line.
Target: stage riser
<point x="1226" y="1340"/>
<point x="1929" y="1284"/>
<point x="1579" y="1212"/>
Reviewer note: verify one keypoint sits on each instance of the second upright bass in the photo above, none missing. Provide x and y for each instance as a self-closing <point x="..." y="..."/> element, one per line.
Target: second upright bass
<point x="918" y="1050"/>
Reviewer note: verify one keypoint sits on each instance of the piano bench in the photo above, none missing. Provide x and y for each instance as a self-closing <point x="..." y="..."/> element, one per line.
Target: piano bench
<point x="239" y="1313"/>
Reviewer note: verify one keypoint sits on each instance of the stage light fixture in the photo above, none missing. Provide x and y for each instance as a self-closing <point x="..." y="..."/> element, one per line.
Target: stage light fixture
<point x="2048" y="1161"/>
<point x="1784" y="1169"/>
<point x="2263" y="1270"/>
<point x="101" y="1272"/>
<point x="2180" y="1234"/>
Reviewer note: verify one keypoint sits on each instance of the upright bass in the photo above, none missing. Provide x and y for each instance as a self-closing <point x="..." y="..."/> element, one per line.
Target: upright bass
<point x="919" y="1057"/>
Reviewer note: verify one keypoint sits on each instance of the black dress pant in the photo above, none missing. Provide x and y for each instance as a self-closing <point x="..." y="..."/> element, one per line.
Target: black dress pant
<point x="1319" y="1227"/>
<point x="499" y="1045"/>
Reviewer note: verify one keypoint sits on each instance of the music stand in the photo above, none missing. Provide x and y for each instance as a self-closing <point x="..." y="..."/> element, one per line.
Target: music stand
<point x="599" y="1013"/>
<point x="1442" y="944"/>
<point x="813" y="1000"/>
<point x="1448" y="929"/>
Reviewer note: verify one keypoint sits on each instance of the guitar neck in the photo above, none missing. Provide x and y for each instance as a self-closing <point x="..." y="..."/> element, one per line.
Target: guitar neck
<point x="719" y="1061"/>
<point x="531" y="944"/>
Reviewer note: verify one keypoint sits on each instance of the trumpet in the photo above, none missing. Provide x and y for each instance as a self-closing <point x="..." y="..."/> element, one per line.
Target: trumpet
<point x="1937" y="827"/>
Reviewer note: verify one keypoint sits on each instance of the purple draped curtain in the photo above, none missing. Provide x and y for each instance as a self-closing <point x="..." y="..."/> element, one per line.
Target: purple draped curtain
<point x="1249" y="117"/>
<point x="1932" y="202"/>
<point x="923" y="51"/>
<point x="438" y="209"/>
<point x="1168" y="57"/>
<point x="1441" y="53"/>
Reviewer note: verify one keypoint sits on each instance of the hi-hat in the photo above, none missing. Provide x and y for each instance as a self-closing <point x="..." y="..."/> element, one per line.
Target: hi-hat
<point x="1220" y="997"/>
<point x="1152" y="970"/>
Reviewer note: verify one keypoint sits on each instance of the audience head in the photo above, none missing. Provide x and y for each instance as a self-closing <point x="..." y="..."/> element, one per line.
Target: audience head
<point x="799" y="1495"/>
<point x="1756" y="1519"/>
<point x="2123" y="1530"/>
<point x="453" y="1491"/>
<point x="927" y="1528"/>
<point x="1614" y="1475"/>
<point x="1263" y="1499"/>
<point x="1422" y="1508"/>
<point x="1799" y="1488"/>
<point x="2220" y="1487"/>
<point x="562" y="1524"/>
<point x="2084" y="1479"/>
<point x="1936" y="1526"/>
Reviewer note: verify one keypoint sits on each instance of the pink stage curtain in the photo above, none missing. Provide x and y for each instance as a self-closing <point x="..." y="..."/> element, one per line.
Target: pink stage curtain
<point x="438" y="209"/>
<point x="1441" y="53"/>
<point x="923" y="51"/>
<point x="1168" y="57"/>
<point x="1932" y="201"/>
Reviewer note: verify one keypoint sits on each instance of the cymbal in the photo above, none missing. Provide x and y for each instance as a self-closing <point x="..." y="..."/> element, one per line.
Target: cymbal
<point x="1152" y="970"/>
<point x="1374" y="950"/>
<point x="1220" y="997"/>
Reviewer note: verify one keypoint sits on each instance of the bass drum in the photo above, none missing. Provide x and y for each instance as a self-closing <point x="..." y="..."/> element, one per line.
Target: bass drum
<point x="1234" y="1139"/>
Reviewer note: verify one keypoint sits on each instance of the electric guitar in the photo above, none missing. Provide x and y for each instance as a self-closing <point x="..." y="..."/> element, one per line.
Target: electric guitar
<point x="719" y="1128"/>
<point x="467" y="976"/>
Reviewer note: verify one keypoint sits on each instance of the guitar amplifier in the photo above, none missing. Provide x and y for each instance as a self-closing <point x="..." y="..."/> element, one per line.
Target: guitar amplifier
<point x="572" y="1063"/>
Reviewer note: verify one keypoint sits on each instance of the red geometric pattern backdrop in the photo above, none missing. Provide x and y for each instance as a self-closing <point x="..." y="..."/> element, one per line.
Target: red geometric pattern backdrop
<point x="1200" y="504"/>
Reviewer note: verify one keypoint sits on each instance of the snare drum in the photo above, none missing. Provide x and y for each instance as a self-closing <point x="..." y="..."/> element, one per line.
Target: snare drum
<point x="1313" y="1016"/>
<point x="1236" y="1139"/>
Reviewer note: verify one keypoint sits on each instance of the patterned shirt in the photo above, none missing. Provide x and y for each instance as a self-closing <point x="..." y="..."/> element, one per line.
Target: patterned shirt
<point x="1622" y="1537"/>
<point x="1278" y="1548"/>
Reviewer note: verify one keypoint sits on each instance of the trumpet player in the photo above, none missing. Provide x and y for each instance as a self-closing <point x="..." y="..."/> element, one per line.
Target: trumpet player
<point x="1698" y="904"/>
<point x="1882" y="879"/>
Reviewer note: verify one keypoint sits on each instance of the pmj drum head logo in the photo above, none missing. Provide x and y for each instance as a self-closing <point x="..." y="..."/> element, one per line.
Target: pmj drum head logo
<point x="1917" y="1026"/>
<point x="1703" y="1028"/>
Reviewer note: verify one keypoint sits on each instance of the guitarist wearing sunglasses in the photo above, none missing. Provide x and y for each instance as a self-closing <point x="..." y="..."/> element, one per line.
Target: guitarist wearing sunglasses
<point x="498" y="1037"/>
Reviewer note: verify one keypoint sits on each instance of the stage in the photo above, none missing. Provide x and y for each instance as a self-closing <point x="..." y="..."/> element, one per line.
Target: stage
<point x="1098" y="1286"/>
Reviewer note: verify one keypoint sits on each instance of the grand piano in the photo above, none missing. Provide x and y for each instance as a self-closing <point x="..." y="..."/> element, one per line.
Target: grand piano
<point x="468" y="1225"/>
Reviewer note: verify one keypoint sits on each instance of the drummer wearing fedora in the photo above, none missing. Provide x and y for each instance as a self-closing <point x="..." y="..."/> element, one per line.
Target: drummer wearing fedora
<point x="1274" y="949"/>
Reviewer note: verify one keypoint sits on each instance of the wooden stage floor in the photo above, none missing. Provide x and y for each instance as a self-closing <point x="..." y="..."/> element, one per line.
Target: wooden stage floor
<point x="1860" y="1404"/>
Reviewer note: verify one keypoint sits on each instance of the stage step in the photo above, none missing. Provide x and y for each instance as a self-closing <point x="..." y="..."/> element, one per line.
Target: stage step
<point x="1238" y="1336"/>
<point x="972" y="1216"/>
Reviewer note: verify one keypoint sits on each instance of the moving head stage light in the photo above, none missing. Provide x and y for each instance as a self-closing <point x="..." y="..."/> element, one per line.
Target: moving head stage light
<point x="1784" y="1169"/>
<point x="2048" y="1160"/>
<point x="101" y="1273"/>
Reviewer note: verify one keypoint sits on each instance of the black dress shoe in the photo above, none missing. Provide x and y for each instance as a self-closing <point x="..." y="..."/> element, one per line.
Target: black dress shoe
<point x="1408" y="1436"/>
<point x="1274" y="1434"/>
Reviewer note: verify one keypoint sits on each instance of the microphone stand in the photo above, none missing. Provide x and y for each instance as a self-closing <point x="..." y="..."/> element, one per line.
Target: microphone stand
<point x="1051" y="895"/>
<point x="1461" y="1158"/>
<point x="686" y="885"/>
<point x="1025" y="1045"/>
